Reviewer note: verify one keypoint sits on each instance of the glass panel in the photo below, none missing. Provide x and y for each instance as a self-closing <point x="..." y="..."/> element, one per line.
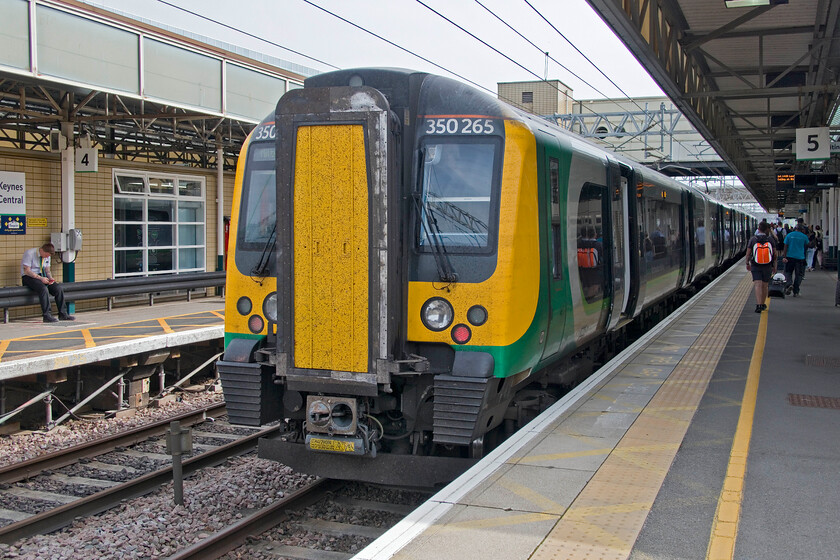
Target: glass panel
<point x="252" y="94"/>
<point x="190" y="211"/>
<point x="126" y="262"/>
<point x="161" y="186"/>
<point x="176" y="74"/>
<point x="457" y="187"/>
<point x="190" y="235"/>
<point x="161" y="235"/>
<point x="161" y="210"/>
<point x="700" y="232"/>
<point x="590" y="242"/>
<point x="86" y="51"/>
<point x="189" y="188"/>
<point x="160" y="259"/>
<point x="128" y="235"/>
<point x="14" y="33"/>
<point x="128" y="209"/>
<point x="190" y="258"/>
<point x="261" y="215"/>
<point x="127" y="184"/>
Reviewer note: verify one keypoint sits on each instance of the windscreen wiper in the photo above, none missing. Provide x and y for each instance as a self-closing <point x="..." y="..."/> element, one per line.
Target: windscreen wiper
<point x="261" y="269"/>
<point x="427" y="221"/>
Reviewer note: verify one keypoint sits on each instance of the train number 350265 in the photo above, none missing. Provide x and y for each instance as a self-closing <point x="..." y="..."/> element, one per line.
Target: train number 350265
<point x="460" y="126"/>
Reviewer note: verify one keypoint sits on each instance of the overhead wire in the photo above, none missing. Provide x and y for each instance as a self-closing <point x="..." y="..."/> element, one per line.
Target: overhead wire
<point x="436" y="65"/>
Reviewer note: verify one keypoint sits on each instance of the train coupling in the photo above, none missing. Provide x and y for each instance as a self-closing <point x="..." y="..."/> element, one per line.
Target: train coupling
<point x="333" y="426"/>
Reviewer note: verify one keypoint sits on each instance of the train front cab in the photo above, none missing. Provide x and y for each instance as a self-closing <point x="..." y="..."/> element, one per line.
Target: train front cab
<point x="251" y="304"/>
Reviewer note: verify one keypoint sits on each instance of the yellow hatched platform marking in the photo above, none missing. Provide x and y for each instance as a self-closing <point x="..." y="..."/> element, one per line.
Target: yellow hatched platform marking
<point x="89" y="342"/>
<point x="166" y="328"/>
<point x="728" y="513"/>
<point x="607" y="516"/>
<point x="4" y="345"/>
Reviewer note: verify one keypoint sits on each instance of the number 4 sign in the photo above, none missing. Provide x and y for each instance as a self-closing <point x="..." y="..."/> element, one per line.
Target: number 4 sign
<point x="87" y="160"/>
<point x="812" y="144"/>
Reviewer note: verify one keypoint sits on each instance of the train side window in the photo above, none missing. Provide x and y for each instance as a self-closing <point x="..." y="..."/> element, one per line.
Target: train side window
<point x="591" y="258"/>
<point x="556" y="220"/>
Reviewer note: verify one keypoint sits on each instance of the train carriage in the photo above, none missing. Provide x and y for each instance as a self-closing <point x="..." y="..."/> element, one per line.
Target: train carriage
<point x="420" y="268"/>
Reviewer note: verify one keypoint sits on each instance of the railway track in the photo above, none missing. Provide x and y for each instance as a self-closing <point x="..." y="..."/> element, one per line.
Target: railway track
<point x="38" y="511"/>
<point x="327" y="519"/>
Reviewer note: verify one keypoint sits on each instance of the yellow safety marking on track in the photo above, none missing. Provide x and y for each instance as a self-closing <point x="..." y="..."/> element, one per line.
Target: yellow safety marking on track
<point x="605" y="519"/>
<point x="166" y="328"/>
<point x="728" y="513"/>
<point x="4" y="344"/>
<point x="89" y="342"/>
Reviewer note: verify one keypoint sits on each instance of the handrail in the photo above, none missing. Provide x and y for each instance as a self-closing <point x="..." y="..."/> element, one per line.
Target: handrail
<point x="18" y="296"/>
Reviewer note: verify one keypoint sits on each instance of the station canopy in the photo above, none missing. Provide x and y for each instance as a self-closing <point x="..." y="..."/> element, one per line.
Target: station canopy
<point x="746" y="73"/>
<point x="140" y="91"/>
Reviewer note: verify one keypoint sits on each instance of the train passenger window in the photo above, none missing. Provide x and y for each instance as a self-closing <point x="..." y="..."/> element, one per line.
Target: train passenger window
<point x="556" y="220"/>
<point x="591" y="259"/>
<point x="457" y="195"/>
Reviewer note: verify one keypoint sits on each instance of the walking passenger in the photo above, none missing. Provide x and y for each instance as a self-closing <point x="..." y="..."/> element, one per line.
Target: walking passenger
<point x="794" y="259"/>
<point x="761" y="263"/>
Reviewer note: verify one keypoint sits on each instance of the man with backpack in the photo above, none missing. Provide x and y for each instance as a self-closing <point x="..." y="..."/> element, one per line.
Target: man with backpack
<point x="761" y="262"/>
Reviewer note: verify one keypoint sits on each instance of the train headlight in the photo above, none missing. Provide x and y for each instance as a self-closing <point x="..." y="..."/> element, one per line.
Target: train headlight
<point x="477" y="315"/>
<point x="243" y="305"/>
<point x="461" y="334"/>
<point x="256" y="324"/>
<point x="437" y="314"/>
<point x="270" y="307"/>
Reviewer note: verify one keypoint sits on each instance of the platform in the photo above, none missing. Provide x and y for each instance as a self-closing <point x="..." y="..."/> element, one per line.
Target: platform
<point x="30" y="346"/>
<point x="715" y="436"/>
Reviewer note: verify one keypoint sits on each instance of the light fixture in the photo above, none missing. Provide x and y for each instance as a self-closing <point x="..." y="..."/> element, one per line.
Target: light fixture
<point x="752" y="3"/>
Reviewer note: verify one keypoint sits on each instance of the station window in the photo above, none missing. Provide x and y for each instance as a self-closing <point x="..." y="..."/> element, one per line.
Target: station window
<point x="159" y="224"/>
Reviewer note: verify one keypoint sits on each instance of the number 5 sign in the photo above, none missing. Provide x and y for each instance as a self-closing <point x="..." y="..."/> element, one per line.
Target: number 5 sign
<point x="812" y="143"/>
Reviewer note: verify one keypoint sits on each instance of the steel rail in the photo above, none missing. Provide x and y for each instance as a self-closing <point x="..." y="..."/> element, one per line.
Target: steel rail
<point x="57" y="518"/>
<point x="63" y="457"/>
<point x="234" y="535"/>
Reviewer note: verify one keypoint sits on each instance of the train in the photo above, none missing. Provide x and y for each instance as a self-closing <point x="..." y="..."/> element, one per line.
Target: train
<point x="417" y="268"/>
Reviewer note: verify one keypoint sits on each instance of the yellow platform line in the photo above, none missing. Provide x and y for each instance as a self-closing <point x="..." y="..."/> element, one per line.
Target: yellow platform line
<point x="728" y="512"/>
<point x="4" y="345"/>
<point x="166" y="328"/>
<point x="89" y="342"/>
<point x="605" y="519"/>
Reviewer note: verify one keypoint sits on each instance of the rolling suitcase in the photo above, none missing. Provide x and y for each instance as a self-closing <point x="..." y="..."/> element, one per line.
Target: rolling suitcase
<point x="777" y="286"/>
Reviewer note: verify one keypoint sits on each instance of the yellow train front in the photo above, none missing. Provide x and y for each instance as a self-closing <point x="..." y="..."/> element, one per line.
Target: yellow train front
<point x="435" y="252"/>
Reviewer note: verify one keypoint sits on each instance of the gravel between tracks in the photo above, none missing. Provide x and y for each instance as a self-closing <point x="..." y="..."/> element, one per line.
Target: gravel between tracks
<point x="26" y="445"/>
<point x="152" y="527"/>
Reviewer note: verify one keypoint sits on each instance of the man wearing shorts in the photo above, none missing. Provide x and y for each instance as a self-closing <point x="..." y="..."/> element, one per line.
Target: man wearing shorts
<point x="761" y="264"/>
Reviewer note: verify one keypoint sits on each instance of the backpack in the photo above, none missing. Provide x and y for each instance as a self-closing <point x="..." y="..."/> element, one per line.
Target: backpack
<point x="763" y="252"/>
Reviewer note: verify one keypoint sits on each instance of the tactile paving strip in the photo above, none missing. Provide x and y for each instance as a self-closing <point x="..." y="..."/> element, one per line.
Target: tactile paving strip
<point x="605" y="519"/>
<point x="814" y="401"/>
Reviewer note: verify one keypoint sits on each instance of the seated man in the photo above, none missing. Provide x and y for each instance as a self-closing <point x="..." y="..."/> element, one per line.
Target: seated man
<point x="35" y="275"/>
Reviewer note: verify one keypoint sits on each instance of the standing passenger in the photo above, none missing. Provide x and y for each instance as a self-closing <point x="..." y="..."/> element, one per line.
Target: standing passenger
<point x="761" y="263"/>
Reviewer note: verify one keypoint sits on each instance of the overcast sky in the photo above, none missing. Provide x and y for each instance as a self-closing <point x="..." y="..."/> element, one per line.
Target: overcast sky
<point x="304" y="28"/>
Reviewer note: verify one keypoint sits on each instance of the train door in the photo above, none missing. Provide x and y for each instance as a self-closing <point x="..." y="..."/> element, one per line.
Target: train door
<point x="617" y="177"/>
<point x="557" y="284"/>
<point x="688" y="236"/>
